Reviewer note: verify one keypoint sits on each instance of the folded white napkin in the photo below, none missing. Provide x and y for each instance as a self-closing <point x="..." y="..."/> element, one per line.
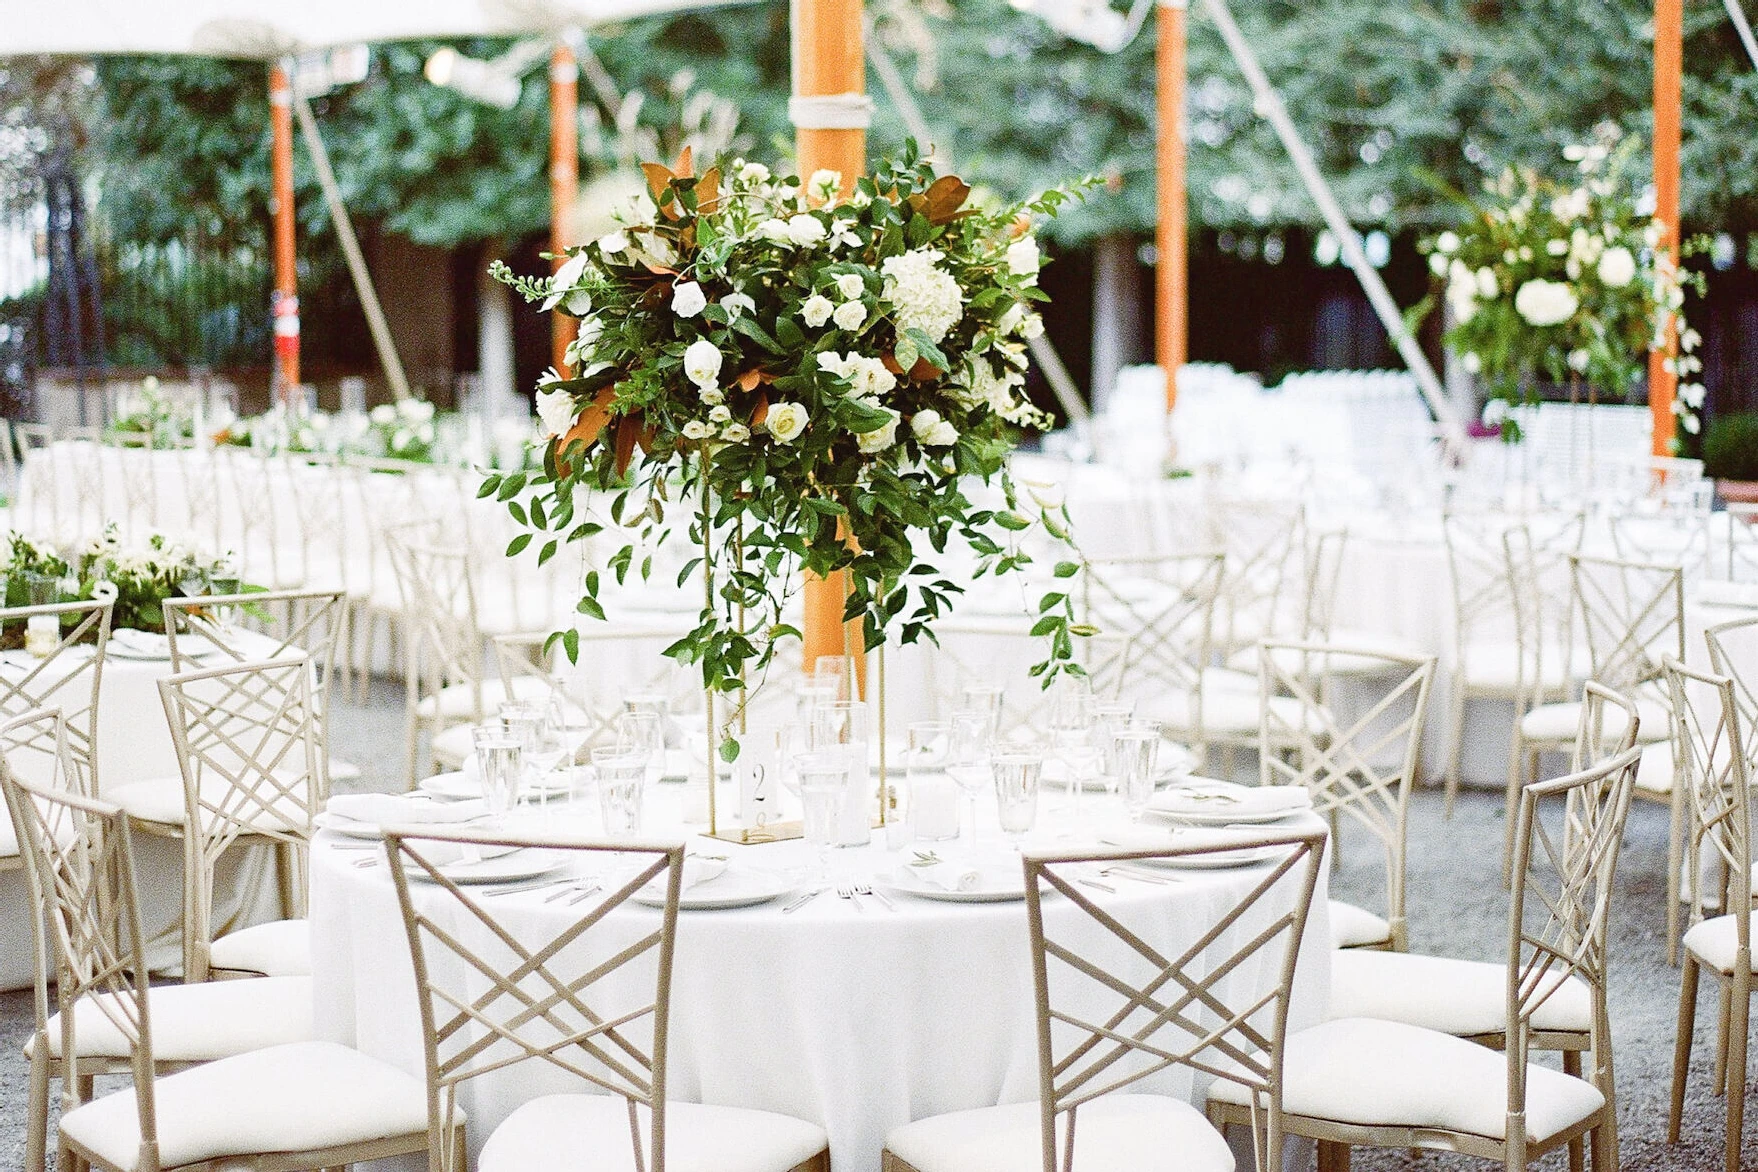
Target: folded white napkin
<point x="1153" y="838"/>
<point x="446" y="854"/>
<point x="948" y="876"/>
<point x="1224" y="797"/>
<point x="137" y="642"/>
<point x="700" y="869"/>
<point x="394" y="808"/>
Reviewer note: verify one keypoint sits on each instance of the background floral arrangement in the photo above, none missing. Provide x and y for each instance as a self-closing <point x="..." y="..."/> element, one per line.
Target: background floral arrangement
<point x="412" y="430"/>
<point x="1565" y="283"/>
<point x="142" y="576"/>
<point x="815" y="375"/>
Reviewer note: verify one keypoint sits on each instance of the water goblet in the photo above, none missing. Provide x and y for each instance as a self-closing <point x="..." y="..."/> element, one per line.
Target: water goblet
<point x="824" y="782"/>
<point x="933" y="795"/>
<point x="830" y="673"/>
<point x="967" y="760"/>
<point x="500" y="762"/>
<point x="644" y="731"/>
<point x="984" y="698"/>
<point x="622" y="783"/>
<point x="1017" y="773"/>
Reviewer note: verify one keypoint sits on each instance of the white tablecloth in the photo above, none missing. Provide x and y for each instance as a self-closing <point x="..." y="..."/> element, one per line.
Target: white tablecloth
<point x="859" y="1020"/>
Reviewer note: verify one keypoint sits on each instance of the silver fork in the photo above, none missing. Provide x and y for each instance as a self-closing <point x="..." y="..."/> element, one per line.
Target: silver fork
<point x="848" y="892"/>
<point x="865" y="888"/>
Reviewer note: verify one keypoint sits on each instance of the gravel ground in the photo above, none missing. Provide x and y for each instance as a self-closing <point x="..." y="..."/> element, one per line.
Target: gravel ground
<point x="1456" y="909"/>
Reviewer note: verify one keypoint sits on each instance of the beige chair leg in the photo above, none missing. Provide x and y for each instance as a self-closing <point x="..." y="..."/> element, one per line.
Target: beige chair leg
<point x="1577" y="1146"/>
<point x="1511" y="802"/>
<point x="1736" y="1056"/>
<point x="1605" y="1156"/>
<point x="1675" y="850"/>
<point x="36" y="1141"/>
<point x="1682" y="1045"/>
<point x="1725" y="1009"/>
<point x="1455" y="745"/>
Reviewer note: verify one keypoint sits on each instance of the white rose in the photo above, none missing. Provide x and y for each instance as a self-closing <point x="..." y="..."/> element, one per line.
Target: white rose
<point x="612" y="243"/>
<point x="753" y="173"/>
<point x="1447" y="243"/>
<point x="556" y="410"/>
<point x="786" y="421"/>
<point x="850" y="285"/>
<point x="1471" y="362"/>
<point x="1617" y="267"/>
<point x="688" y="299"/>
<point x="775" y="231"/>
<point x="702" y="361"/>
<point x="1034" y="327"/>
<point x="932" y="431"/>
<point x="1545" y="303"/>
<point x="382" y="414"/>
<point x="806" y="231"/>
<point x="871" y="442"/>
<point x="1558" y="247"/>
<point x="1487" y="288"/>
<point x="736" y="304"/>
<point x="1012" y="319"/>
<point x="695" y="430"/>
<point x="1023" y="258"/>
<point x="713" y="396"/>
<point x="849" y="315"/>
<point x="816" y="310"/>
<point x="824" y="183"/>
<point x="720" y="414"/>
<point x="735" y="433"/>
<point x="1437" y="264"/>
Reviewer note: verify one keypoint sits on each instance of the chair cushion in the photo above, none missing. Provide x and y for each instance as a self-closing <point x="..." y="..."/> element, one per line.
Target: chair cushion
<point x="161" y="800"/>
<point x="1361" y="658"/>
<point x="1495" y="667"/>
<point x="1353" y="927"/>
<point x="197" y="1023"/>
<point x="1388" y="1074"/>
<point x="458" y="702"/>
<point x="1654" y="771"/>
<point x="551" y="1131"/>
<point x="1225" y="710"/>
<point x="301" y="1097"/>
<point x="1557" y="723"/>
<point x="1462" y="997"/>
<point x="341" y="770"/>
<point x="1716" y="942"/>
<point x="279" y="948"/>
<point x="453" y="746"/>
<point x="1114" y="1133"/>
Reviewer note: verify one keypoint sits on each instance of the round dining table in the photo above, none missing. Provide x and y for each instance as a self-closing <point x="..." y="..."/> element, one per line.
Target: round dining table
<point x="855" y="1013"/>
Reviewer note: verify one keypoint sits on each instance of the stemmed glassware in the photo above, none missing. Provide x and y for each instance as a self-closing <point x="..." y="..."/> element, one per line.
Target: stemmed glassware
<point x="933" y="796"/>
<point x="1074" y="738"/>
<point x="644" y="732"/>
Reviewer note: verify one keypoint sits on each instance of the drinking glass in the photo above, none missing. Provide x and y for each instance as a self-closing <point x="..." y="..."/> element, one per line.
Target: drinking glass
<point x="1073" y="737"/>
<point x="42" y="632"/>
<point x="933" y="796"/>
<point x="622" y="783"/>
<point x="644" y="732"/>
<point x="967" y="761"/>
<point x="1111" y="717"/>
<point x="1136" y="749"/>
<point x="830" y="673"/>
<point x="841" y="728"/>
<point x="1016" y="791"/>
<point x="500" y="762"/>
<point x="824" y="785"/>
<point x="984" y="698"/>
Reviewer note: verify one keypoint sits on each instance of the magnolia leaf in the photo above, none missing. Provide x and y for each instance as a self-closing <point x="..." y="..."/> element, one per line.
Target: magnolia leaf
<point x="750" y="380"/>
<point x="760" y="409"/>
<point x="904" y="357"/>
<point x="685" y="168"/>
<point x="945" y="196"/>
<point x="708" y="192"/>
<point x="627" y="431"/>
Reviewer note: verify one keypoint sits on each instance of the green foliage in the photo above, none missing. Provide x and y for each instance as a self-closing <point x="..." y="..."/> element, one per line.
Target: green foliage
<point x="1730" y="446"/>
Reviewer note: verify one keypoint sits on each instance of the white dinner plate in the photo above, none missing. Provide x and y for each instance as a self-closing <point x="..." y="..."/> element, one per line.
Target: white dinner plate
<point x="459" y="786"/>
<point x="996" y="884"/>
<point x="526" y="863"/>
<point x="1218" y="860"/>
<point x="1205" y="802"/>
<point x="733" y="887"/>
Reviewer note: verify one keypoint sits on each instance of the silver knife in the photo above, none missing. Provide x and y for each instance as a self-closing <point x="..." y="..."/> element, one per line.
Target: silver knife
<point x="803" y="900"/>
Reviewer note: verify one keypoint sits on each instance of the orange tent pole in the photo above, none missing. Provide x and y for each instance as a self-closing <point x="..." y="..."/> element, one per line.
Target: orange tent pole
<point x="1669" y="37"/>
<point x="564" y="179"/>
<point x="1171" y="243"/>
<point x="828" y="61"/>
<point x="284" y="302"/>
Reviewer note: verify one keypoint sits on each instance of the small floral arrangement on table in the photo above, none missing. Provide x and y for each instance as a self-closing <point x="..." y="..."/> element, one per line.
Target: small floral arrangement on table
<point x="142" y="577"/>
<point x="1566" y="283"/>
<point x="816" y="371"/>
<point x="147" y="410"/>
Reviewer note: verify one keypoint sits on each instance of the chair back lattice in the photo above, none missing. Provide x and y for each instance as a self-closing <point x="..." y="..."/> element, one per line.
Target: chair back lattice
<point x="1711" y="765"/>
<point x="79" y="870"/>
<point x="1164" y="605"/>
<point x="326" y="540"/>
<point x="1742" y="542"/>
<point x="439" y="604"/>
<point x="1680" y="535"/>
<point x="1724" y="663"/>
<point x="576" y="1000"/>
<point x="1322" y="564"/>
<point x="1510" y="580"/>
<point x="66" y="679"/>
<point x="246" y="742"/>
<point x="1561" y="904"/>
<point x="251" y="517"/>
<point x="1633" y="615"/>
<point x="1218" y="1007"/>
<point x="593" y="698"/>
<point x="1360" y="765"/>
<point x="1258" y="538"/>
<point x="200" y="473"/>
<point x="973" y="652"/>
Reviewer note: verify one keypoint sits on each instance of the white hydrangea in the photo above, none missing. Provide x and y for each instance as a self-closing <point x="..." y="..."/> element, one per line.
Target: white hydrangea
<point x="924" y="296"/>
<point x="1545" y="303"/>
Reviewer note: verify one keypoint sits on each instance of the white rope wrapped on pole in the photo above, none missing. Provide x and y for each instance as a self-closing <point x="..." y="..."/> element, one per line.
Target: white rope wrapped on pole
<point x="1268" y="105"/>
<point x="375" y="316"/>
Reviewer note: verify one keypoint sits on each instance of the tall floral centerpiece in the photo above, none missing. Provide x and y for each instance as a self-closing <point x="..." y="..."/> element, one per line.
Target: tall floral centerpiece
<point x="816" y="375"/>
<point x="1565" y="283"/>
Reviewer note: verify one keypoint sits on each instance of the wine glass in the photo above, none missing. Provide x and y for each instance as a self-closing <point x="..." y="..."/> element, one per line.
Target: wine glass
<point x="644" y="732"/>
<point x="1073" y="737"/>
<point x="984" y="698"/>
<point x="967" y="761"/>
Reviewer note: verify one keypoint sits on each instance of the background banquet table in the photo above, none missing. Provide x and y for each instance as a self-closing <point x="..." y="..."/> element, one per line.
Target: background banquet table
<point x="859" y="1020"/>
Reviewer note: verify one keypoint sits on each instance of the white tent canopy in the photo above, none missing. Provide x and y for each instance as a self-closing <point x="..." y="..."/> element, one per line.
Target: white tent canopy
<point x="265" y="29"/>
